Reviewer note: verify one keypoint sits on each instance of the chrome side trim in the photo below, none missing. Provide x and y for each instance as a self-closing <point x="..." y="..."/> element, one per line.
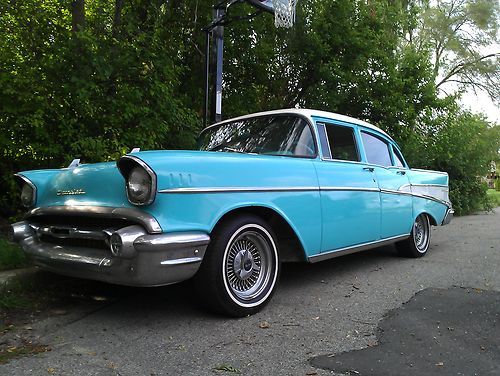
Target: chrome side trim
<point x="422" y="170"/>
<point x="134" y="215"/>
<point x="429" y="185"/>
<point x="447" y="203"/>
<point x="263" y="189"/>
<point x="356" y="248"/>
<point x="30" y="183"/>
<point x="297" y="189"/>
<point x="238" y="189"/>
<point x="150" y="172"/>
<point x="343" y="161"/>
<point x="394" y="192"/>
<point x="363" y="189"/>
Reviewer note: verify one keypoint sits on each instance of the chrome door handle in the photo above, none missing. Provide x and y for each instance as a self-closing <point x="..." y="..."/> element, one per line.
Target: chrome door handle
<point x="401" y="172"/>
<point x="371" y="169"/>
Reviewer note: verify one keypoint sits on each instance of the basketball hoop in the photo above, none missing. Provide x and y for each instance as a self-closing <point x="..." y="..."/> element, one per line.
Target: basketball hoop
<point x="284" y="16"/>
<point x="284" y="10"/>
<point x="284" y="13"/>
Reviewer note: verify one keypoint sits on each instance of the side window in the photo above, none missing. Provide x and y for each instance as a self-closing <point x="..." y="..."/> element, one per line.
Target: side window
<point x="377" y="150"/>
<point x="398" y="159"/>
<point x="341" y="143"/>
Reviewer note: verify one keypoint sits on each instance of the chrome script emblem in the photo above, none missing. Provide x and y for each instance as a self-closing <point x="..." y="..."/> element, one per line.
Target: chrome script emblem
<point x="71" y="192"/>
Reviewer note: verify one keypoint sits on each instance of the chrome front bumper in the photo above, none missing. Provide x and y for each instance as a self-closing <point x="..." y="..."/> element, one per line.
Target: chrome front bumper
<point x="448" y="217"/>
<point x="138" y="258"/>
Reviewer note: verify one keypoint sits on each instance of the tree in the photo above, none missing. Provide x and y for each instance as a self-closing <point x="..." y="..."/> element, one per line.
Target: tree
<point x="92" y="79"/>
<point x="462" y="36"/>
<point x="75" y="85"/>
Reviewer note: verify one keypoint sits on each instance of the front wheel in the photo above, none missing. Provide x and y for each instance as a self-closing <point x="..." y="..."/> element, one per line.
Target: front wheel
<point x="417" y="244"/>
<point x="241" y="267"/>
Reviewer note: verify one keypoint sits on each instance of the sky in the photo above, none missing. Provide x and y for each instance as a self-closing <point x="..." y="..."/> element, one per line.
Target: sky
<point x="482" y="103"/>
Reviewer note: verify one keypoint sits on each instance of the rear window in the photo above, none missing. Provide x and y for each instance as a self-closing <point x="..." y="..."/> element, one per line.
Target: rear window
<point x="376" y="149"/>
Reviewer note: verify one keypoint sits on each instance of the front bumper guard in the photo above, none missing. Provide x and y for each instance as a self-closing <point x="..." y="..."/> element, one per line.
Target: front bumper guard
<point x="138" y="258"/>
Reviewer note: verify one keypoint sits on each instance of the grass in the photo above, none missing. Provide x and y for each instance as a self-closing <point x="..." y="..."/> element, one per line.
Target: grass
<point x="21" y="293"/>
<point x="11" y="255"/>
<point x="494" y="197"/>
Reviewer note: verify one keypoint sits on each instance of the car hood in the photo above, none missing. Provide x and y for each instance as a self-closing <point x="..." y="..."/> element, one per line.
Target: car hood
<point x="201" y="169"/>
<point x="102" y="184"/>
<point x="98" y="184"/>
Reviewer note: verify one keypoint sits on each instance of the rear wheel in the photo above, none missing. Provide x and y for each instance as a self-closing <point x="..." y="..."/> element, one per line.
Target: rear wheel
<point x="240" y="269"/>
<point x="417" y="244"/>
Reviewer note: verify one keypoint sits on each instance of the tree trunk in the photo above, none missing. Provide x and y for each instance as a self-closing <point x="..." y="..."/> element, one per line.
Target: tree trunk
<point x="117" y="19"/>
<point x="77" y="15"/>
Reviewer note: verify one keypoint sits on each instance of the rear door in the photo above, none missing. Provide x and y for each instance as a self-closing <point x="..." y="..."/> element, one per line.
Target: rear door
<point x="350" y="198"/>
<point x="392" y="178"/>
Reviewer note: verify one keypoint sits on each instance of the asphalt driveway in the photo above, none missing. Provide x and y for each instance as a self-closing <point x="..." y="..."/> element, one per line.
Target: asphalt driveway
<point x="320" y="310"/>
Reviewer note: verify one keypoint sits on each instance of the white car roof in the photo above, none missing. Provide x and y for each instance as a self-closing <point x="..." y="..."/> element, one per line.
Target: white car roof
<point x="309" y="113"/>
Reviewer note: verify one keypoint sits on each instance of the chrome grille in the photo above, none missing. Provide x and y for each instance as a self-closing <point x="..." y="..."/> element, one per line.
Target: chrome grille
<point x="76" y="231"/>
<point x="96" y="223"/>
<point x="74" y="242"/>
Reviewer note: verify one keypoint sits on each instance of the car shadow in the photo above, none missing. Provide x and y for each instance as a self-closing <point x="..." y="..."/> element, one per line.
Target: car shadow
<point x="181" y="300"/>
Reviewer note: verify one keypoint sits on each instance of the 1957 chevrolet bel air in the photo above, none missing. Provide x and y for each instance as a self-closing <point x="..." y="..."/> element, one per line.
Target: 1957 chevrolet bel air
<point x="287" y="185"/>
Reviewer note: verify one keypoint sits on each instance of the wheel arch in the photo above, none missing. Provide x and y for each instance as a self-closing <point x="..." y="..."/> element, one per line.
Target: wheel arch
<point x="432" y="219"/>
<point x="290" y="246"/>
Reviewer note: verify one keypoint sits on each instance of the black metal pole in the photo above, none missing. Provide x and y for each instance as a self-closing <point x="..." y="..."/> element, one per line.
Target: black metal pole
<point x="216" y="66"/>
<point x="207" y="80"/>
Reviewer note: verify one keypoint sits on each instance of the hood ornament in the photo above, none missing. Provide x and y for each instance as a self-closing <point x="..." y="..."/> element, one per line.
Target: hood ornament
<point x="74" y="163"/>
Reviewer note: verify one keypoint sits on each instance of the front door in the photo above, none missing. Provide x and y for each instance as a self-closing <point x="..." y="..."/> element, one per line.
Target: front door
<point x="350" y="197"/>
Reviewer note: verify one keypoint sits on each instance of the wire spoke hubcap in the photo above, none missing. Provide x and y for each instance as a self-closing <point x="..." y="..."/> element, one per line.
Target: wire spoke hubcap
<point x="248" y="265"/>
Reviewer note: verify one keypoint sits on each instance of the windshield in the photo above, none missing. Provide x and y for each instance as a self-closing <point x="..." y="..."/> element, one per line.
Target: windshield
<point x="272" y="135"/>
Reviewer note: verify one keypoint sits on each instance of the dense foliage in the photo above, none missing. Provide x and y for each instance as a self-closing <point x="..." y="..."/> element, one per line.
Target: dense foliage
<point x="91" y="79"/>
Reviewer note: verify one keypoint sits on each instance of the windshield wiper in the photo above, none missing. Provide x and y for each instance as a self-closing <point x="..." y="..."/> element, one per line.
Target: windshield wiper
<point x="224" y="147"/>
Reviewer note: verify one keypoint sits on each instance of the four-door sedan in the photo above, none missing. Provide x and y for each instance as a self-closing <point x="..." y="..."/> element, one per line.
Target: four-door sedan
<point x="271" y="187"/>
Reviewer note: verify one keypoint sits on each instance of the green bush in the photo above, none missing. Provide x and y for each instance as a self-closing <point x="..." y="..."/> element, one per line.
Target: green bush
<point x="11" y="255"/>
<point x="92" y="94"/>
<point x="462" y="144"/>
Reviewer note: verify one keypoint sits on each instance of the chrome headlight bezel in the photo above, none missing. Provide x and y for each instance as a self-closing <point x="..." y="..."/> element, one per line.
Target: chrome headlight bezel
<point x="128" y="164"/>
<point x="27" y="187"/>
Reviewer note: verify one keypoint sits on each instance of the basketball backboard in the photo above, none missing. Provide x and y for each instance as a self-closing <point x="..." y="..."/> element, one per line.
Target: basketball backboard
<point x="266" y="5"/>
<point x="283" y="10"/>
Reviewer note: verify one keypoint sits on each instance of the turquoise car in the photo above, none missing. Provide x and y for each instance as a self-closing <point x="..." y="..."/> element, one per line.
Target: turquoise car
<point x="272" y="187"/>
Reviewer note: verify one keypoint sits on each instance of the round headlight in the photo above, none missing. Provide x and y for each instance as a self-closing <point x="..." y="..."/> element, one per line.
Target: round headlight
<point x="139" y="186"/>
<point x="27" y="195"/>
